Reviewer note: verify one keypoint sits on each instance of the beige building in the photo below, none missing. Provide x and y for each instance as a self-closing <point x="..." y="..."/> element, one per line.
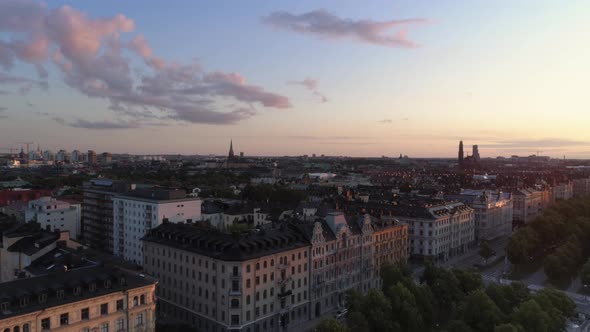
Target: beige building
<point x="438" y="231"/>
<point x="100" y="299"/>
<point x="347" y="253"/>
<point x="529" y="204"/>
<point x="219" y="282"/>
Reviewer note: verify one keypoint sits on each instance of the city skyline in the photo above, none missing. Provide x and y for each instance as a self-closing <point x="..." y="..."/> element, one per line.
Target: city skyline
<point x="295" y="79"/>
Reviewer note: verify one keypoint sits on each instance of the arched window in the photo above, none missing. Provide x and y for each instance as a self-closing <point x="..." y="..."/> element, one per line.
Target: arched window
<point x="16" y="329"/>
<point x="135" y="301"/>
<point x="142" y="299"/>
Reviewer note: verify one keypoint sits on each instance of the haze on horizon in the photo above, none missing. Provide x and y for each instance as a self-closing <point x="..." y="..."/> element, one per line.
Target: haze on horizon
<point x="300" y="77"/>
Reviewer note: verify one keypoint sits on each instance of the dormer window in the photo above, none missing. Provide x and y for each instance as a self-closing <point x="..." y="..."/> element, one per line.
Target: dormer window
<point x="107" y="284"/>
<point x="92" y="287"/>
<point x="60" y="294"/>
<point x="77" y="290"/>
<point x="3" y="306"/>
<point x="42" y="298"/>
<point x="122" y="281"/>
<point x="24" y="301"/>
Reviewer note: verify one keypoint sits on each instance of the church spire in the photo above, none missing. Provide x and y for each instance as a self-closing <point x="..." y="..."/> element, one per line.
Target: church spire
<point x="231" y="149"/>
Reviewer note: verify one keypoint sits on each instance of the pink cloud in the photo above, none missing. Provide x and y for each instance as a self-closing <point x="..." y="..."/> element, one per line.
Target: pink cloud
<point x="311" y="84"/>
<point x="327" y="25"/>
<point x="92" y="57"/>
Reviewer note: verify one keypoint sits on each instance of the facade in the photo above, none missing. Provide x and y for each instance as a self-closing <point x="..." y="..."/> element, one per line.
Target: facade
<point x="11" y="196"/>
<point x="97" y="211"/>
<point x="77" y="156"/>
<point x="137" y="212"/>
<point x="562" y="191"/>
<point x="493" y="212"/>
<point x="529" y="204"/>
<point x="54" y="215"/>
<point x="217" y="282"/>
<point x="85" y="299"/>
<point x="21" y="245"/>
<point x="581" y="187"/>
<point x="91" y="157"/>
<point x="438" y="231"/>
<point x="106" y="157"/>
<point x="275" y="278"/>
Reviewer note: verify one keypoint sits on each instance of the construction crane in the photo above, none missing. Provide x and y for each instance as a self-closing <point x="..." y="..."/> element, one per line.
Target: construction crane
<point x="27" y="144"/>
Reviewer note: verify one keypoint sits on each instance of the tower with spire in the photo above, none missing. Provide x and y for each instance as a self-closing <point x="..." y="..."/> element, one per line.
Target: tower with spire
<point x="231" y="150"/>
<point x="461" y="153"/>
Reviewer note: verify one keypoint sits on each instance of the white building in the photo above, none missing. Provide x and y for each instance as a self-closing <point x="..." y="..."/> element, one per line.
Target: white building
<point x="62" y="155"/>
<point x="438" y="231"/>
<point x="53" y="214"/>
<point x="48" y="155"/>
<point x="581" y="187"/>
<point x="493" y="212"/>
<point x="563" y="191"/>
<point x="133" y="216"/>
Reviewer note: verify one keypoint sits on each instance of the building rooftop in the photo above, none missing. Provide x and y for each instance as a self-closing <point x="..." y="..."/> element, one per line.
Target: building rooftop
<point x="225" y="246"/>
<point x="28" y="295"/>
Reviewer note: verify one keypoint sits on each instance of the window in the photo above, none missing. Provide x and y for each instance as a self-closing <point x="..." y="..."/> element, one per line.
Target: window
<point x="120" y="324"/>
<point x="105" y="327"/>
<point x="139" y="320"/>
<point x="104" y="310"/>
<point x="77" y="290"/>
<point x="235" y="286"/>
<point x="120" y="305"/>
<point x="235" y="319"/>
<point x="45" y="324"/>
<point x="247" y="283"/>
<point x="135" y="301"/>
<point x="142" y="299"/>
<point x="85" y="314"/>
<point x="64" y="319"/>
<point x="26" y="327"/>
<point x="235" y="303"/>
<point x="248" y="268"/>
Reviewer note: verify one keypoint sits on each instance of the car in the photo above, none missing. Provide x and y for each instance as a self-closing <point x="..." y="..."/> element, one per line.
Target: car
<point x="340" y="314"/>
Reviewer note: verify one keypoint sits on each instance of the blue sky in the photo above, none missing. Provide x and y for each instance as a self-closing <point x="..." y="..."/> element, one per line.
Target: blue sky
<point x="507" y="75"/>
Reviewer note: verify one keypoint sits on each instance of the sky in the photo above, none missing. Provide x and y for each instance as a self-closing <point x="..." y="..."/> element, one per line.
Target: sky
<point x="376" y="78"/>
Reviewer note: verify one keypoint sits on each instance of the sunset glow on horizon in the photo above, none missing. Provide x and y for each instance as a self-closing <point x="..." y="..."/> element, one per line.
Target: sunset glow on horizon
<point x="293" y="78"/>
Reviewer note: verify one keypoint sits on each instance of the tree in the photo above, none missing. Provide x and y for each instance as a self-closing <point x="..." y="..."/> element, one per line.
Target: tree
<point x="531" y="317"/>
<point x="506" y="328"/>
<point x="469" y="280"/>
<point x="458" y="326"/>
<point x="486" y="251"/>
<point x="377" y="311"/>
<point x="330" y="325"/>
<point x="356" y="322"/>
<point x="480" y="312"/>
<point x="585" y="274"/>
<point x="553" y="267"/>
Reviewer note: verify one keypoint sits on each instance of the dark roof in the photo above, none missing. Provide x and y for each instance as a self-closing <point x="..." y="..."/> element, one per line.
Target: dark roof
<point x="12" y="292"/>
<point x="30" y="245"/>
<point x="228" y="247"/>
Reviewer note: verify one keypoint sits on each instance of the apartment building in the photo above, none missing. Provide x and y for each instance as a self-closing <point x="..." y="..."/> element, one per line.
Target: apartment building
<point x="438" y="230"/>
<point x="82" y="300"/>
<point x="143" y="209"/>
<point x="219" y="282"/>
<point x="529" y="203"/>
<point x="562" y="191"/>
<point x="97" y="211"/>
<point x="581" y="187"/>
<point x="53" y="215"/>
<point x="493" y="212"/>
